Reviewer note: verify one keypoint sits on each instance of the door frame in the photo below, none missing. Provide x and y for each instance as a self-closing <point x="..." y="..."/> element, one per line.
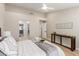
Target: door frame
<point x="43" y="21"/>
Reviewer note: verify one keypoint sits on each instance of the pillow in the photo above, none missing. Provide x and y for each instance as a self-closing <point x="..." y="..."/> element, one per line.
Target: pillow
<point x="9" y="37"/>
<point x="36" y="39"/>
<point x="6" y="33"/>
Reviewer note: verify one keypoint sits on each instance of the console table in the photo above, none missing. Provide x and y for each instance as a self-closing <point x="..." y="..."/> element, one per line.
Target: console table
<point x="73" y="40"/>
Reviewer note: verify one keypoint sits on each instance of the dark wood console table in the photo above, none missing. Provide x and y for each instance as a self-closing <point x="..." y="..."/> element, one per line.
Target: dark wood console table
<point x="73" y="40"/>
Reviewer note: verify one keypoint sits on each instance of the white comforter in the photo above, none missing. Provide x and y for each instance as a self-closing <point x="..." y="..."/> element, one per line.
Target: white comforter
<point x="57" y="52"/>
<point x="28" y="48"/>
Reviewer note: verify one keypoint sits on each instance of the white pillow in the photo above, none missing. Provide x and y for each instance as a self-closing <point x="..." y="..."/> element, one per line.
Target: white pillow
<point x="36" y="39"/>
<point x="9" y="37"/>
<point x="6" y="33"/>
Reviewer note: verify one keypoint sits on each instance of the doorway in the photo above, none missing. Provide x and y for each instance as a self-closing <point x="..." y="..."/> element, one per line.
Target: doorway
<point x="43" y="25"/>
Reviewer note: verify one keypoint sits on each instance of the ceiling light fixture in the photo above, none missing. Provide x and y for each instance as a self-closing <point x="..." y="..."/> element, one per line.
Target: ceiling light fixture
<point x="45" y="8"/>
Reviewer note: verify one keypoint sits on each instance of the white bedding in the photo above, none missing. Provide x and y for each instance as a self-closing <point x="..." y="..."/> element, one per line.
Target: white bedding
<point x="8" y="46"/>
<point x="28" y="48"/>
<point x="25" y="48"/>
<point x="58" y="49"/>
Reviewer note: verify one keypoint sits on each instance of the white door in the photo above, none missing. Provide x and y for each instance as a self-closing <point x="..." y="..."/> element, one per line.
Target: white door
<point x="43" y="29"/>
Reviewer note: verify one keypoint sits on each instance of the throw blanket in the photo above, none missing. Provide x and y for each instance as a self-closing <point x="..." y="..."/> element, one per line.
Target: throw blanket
<point x="49" y="49"/>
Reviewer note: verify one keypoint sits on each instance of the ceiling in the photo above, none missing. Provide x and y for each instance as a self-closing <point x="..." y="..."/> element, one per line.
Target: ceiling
<point x="37" y="6"/>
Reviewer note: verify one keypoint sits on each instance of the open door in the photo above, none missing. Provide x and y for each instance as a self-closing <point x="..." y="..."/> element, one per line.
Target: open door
<point x="43" y="24"/>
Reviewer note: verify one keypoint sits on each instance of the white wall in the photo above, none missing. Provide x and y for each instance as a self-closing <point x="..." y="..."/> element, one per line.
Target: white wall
<point x="64" y="16"/>
<point x="14" y="14"/>
<point x="2" y="10"/>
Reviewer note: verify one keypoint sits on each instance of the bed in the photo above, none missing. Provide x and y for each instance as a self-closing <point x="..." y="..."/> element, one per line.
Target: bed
<point x="29" y="48"/>
<point x="9" y="47"/>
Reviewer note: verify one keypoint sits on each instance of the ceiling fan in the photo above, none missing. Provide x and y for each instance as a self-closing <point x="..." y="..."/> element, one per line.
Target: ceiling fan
<point x="46" y="8"/>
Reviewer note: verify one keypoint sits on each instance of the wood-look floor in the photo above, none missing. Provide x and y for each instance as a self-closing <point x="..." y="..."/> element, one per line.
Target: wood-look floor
<point x="68" y="52"/>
